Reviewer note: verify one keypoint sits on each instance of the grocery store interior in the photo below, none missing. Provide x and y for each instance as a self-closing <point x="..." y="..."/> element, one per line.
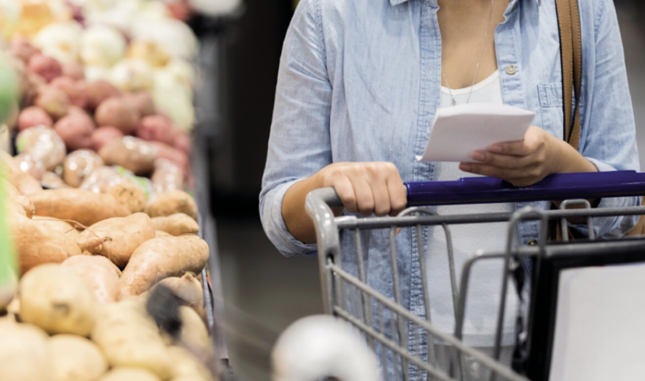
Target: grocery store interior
<point x="210" y="69"/>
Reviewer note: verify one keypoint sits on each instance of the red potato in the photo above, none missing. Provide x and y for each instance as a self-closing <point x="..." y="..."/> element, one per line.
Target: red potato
<point x="22" y="49"/>
<point x="33" y="116"/>
<point x="48" y="67"/>
<point x="76" y="131"/>
<point x="133" y="154"/>
<point x="142" y="102"/>
<point x="73" y="70"/>
<point x="76" y="90"/>
<point x="156" y="128"/>
<point x="104" y="135"/>
<point x="98" y="91"/>
<point x="167" y="152"/>
<point x="54" y="101"/>
<point x="32" y="88"/>
<point x="182" y="142"/>
<point x="119" y="113"/>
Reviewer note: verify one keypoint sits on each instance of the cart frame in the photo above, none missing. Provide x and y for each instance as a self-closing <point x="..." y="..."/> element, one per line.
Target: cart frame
<point x="350" y="298"/>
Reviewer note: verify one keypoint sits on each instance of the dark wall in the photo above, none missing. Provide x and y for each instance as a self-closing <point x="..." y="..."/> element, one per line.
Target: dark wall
<point x="252" y="53"/>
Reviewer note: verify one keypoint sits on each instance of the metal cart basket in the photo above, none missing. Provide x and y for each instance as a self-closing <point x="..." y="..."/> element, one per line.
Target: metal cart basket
<point x="388" y="326"/>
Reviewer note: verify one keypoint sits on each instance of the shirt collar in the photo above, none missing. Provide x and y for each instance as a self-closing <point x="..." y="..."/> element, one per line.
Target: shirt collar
<point x="397" y="2"/>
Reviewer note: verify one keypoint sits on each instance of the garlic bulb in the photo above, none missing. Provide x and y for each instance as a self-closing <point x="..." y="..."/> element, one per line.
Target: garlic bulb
<point x="102" y="45"/>
<point x="60" y="41"/>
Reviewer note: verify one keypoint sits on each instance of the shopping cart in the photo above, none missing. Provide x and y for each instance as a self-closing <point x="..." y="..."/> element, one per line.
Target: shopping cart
<point x="350" y="298"/>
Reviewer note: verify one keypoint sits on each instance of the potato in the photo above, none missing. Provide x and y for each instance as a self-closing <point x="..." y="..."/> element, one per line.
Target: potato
<point x="194" y="331"/>
<point x="57" y="300"/>
<point x="76" y="359"/>
<point x="32" y="86"/>
<point x="117" y="112"/>
<point x="188" y="289"/>
<point x="73" y="70"/>
<point x="142" y="102"/>
<point x="51" y="180"/>
<point x="176" y="156"/>
<point x="28" y="164"/>
<point x="45" y="66"/>
<point x="186" y="367"/>
<point x="78" y="205"/>
<point x="130" y="195"/>
<point x="160" y="258"/>
<point x="76" y="131"/>
<point x="43" y="144"/>
<point x="130" y="374"/>
<point x="24" y="353"/>
<point x="76" y="90"/>
<point x="22" y="181"/>
<point x="33" y="116"/>
<point x="100" y="274"/>
<point x="104" y="135"/>
<point x="130" y="338"/>
<point x="167" y="176"/>
<point x="54" y="101"/>
<point x="176" y="224"/>
<point x="156" y="128"/>
<point x="98" y="91"/>
<point x="38" y="242"/>
<point x="130" y="153"/>
<point x="169" y="203"/>
<point x="78" y="165"/>
<point x="57" y="225"/>
<point x="100" y="173"/>
<point x="117" y="238"/>
<point x="22" y="49"/>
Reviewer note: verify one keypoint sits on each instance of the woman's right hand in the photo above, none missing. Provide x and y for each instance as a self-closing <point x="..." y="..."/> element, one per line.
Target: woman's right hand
<point x="366" y="188"/>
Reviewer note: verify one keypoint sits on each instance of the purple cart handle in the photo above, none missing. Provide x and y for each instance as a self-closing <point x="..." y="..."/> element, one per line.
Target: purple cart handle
<point x="486" y="190"/>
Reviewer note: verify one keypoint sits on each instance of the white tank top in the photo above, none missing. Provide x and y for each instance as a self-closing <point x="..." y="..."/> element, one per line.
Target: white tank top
<point x="485" y="285"/>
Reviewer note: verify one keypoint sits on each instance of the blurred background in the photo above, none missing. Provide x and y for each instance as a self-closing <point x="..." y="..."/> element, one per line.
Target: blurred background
<point x="265" y="292"/>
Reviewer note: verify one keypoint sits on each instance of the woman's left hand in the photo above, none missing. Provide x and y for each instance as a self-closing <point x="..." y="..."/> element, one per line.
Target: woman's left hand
<point x="526" y="162"/>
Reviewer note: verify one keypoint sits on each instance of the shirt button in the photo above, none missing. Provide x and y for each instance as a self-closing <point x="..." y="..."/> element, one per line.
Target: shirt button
<point x="532" y="242"/>
<point x="511" y="70"/>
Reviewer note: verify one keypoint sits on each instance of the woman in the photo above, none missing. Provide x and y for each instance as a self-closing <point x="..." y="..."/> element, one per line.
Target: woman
<point x="359" y="84"/>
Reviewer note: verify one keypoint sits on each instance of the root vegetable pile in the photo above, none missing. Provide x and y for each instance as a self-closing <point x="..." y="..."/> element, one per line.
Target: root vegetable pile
<point x="96" y="199"/>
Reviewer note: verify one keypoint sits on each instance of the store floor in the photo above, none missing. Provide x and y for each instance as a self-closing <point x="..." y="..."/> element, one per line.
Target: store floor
<point x="265" y="292"/>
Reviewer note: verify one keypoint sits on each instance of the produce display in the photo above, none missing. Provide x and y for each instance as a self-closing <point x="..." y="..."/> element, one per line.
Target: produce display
<point x="98" y="199"/>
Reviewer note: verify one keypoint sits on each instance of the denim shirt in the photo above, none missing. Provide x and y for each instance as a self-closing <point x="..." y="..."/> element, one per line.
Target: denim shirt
<point x="360" y="81"/>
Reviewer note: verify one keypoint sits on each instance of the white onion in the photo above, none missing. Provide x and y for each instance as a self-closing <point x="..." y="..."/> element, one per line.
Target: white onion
<point x="60" y="40"/>
<point x="171" y="35"/>
<point x="10" y="12"/>
<point x="182" y="71"/>
<point x="215" y="7"/>
<point x="178" y="106"/>
<point x="102" y="45"/>
<point x="94" y="73"/>
<point x="132" y="75"/>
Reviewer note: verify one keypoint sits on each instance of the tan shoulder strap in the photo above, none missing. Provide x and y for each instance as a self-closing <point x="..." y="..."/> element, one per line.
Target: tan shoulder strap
<point x="571" y="51"/>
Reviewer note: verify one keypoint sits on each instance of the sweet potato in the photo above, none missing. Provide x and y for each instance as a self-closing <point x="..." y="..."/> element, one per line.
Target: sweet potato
<point x="54" y="101"/>
<point x="160" y="258"/>
<point x="28" y="164"/>
<point x="33" y="116"/>
<point x="167" y="176"/>
<point x="142" y="102"/>
<point x="76" y="131"/>
<point x="156" y="128"/>
<point x="57" y="300"/>
<point x="76" y="90"/>
<point x="159" y="233"/>
<point x="117" y="112"/>
<point x="47" y="67"/>
<point x="37" y="242"/>
<point x="130" y="195"/>
<point x="169" y="203"/>
<point x="78" y="205"/>
<point x="22" y="181"/>
<point x="57" y="225"/>
<point x="104" y="135"/>
<point x="117" y="238"/>
<point x="130" y="374"/>
<point x="50" y="180"/>
<point x="188" y="289"/>
<point x="98" y="91"/>
<point x="76" y="359"/>
<point x="96" y="176"/>
<point x="176" y="224"/>
<point x="24" y="353"/>
<point x="130" y="338"/>
<point x="78" y="165"/>
<point x="100" y="274"/>
<point x="43" y="144"/>
<point x="130" y="153"/>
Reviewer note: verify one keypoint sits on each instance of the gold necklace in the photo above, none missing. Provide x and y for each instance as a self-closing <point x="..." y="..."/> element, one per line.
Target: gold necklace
<point x="481" y="54"/>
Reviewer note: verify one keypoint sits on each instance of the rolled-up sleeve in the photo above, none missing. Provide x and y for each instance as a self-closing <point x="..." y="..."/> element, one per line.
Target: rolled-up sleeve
<point x="299" y="145"/>
<point x="609" y="139"/>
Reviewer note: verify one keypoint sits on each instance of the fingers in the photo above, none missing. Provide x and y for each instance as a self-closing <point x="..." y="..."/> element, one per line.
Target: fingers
<point x="345" y="190"/>
<point x="398" y="194"/>
<point x="533" y="139"/>
<point x="518" y="177"/>
<point x="503" y="161"/>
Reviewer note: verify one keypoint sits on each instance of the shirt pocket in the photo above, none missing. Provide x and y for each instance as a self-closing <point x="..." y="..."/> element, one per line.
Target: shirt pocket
<point x="550" y="96"/>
